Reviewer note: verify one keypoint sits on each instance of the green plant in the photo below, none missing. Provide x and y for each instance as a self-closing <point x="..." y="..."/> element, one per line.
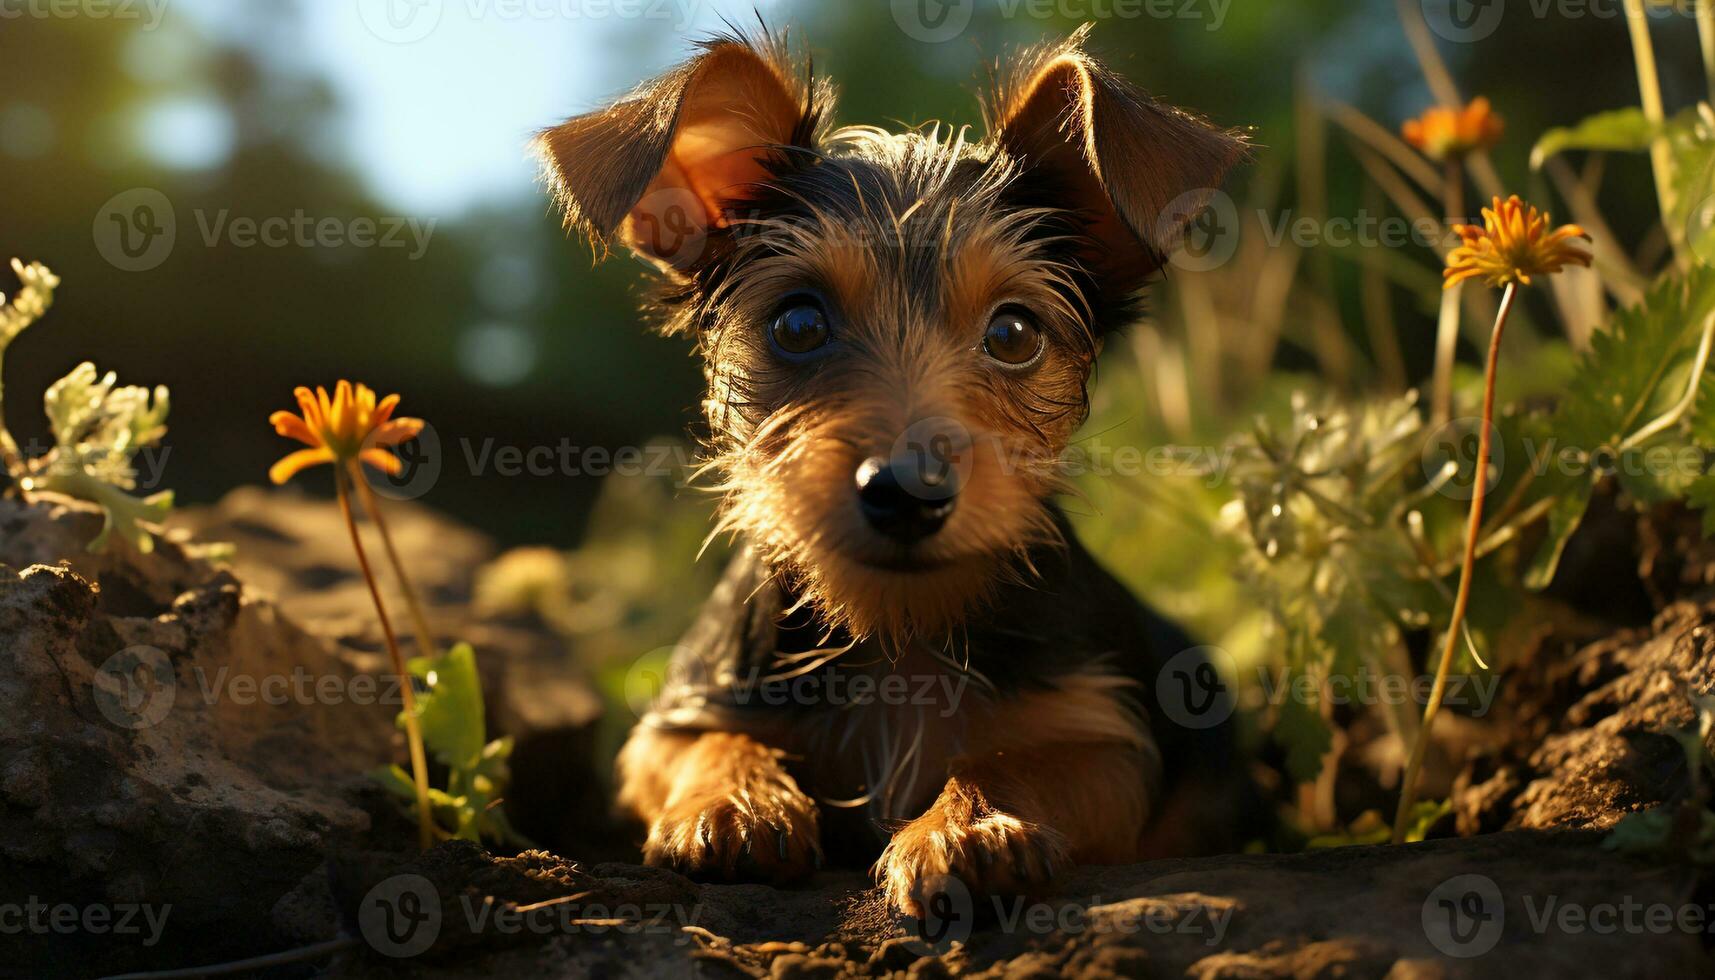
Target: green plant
<point x="98" y="429"/>
<point x="450" y="715"/>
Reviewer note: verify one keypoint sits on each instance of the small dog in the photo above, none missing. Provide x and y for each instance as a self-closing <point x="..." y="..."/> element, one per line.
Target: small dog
<point x="910" y="648"/>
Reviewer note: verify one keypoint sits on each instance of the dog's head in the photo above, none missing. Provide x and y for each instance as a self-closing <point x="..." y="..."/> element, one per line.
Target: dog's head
<point x="898" y="328"/>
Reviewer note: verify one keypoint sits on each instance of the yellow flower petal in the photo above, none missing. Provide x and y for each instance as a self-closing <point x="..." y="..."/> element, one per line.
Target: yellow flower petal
<point x="293" y="427"/>
<point x="296" y="462"/>
<point x="1514" y="244"/>
<point x="396" y="432"/>
<point x="382" y="460"/>
<point x="354" y="424"/>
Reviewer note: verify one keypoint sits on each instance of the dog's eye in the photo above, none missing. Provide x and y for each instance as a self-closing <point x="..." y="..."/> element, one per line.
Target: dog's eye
<point x="1012" y="339"/>
<point x="801" y="328"/>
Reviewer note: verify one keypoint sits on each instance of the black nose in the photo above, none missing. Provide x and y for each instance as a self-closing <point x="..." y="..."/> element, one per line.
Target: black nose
<point x="905" y="505"/>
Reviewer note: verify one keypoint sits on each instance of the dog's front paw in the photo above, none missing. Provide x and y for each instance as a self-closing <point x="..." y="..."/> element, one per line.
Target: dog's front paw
<point x="987" y="851"/>
<point x="769" y="836"/>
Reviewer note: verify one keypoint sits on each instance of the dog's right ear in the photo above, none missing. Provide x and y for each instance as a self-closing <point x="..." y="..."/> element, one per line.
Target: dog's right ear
<point x="663" y="166"/>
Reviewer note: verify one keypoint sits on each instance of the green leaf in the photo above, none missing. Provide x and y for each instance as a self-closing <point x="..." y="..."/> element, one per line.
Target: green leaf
<point x="1636" y="369"/>
<point x="1563" y="519"/>
<point x="1301" y="730"/>
<point x="98" y="429"/>
<point x="451" y="717"/>
<point x="1621" y="130"/>
<point x="450" y="712"/>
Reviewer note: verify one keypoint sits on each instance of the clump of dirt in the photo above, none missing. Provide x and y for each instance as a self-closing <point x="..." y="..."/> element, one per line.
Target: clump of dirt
<point x="1588" y="732"/>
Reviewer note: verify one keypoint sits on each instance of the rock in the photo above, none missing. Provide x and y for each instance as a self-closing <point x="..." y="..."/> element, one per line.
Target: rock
<point x="298" y="550"/>
<point x="1588" y="733"/>
<point x="146" y="759"/>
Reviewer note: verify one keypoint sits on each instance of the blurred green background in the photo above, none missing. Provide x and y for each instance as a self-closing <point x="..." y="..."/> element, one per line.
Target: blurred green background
<point x="499" y="329"/>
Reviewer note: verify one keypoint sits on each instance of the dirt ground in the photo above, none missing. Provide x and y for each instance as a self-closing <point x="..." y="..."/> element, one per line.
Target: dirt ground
<point x="140" y="781"/>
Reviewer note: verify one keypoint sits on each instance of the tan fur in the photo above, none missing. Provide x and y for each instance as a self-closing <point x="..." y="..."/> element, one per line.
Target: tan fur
<point x="908" y="369"/>
<point x="1008" y="822"/>
<point x="910" y="243"/>
<point x="718" y="805"/>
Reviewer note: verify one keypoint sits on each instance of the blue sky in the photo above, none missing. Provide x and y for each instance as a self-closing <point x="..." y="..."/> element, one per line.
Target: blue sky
<point x="440" y="99"/>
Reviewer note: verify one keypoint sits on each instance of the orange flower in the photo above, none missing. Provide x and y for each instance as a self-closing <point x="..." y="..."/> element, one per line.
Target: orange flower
<point x="1443" y="134"/>
<point x="351" y="425"/>
<point x="1513" y="244"/>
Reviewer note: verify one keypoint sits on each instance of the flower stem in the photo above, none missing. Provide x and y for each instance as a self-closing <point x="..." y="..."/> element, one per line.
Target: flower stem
<point x="413" y="733"/>
<point x="419" y="622"/>
<point x="1706" y="40"/>
<point x="10" y="457"/>
<point x="1649" y="88"/>
<point x="1473" y="528"/>
<point x="1447" y="327"/>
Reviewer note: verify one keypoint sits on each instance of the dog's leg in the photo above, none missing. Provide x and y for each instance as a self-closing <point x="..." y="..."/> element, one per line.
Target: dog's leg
<point x="1007" y="822"/>
<point x="718" y="805"/>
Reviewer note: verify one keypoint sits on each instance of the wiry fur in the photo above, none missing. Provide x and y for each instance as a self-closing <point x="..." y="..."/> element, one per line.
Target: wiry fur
<point x="726" y="176"/>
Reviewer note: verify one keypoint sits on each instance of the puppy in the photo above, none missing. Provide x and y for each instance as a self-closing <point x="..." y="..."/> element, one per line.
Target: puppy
<point x="911" y="653"/>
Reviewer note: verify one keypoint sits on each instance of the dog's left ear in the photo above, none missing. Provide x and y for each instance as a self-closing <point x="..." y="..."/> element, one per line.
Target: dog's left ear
<point x="1135" y="171"/>
<point x="660" y="168"/>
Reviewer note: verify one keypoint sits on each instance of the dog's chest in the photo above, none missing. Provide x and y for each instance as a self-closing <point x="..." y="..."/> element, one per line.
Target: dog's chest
<point x="878" y="735"/>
